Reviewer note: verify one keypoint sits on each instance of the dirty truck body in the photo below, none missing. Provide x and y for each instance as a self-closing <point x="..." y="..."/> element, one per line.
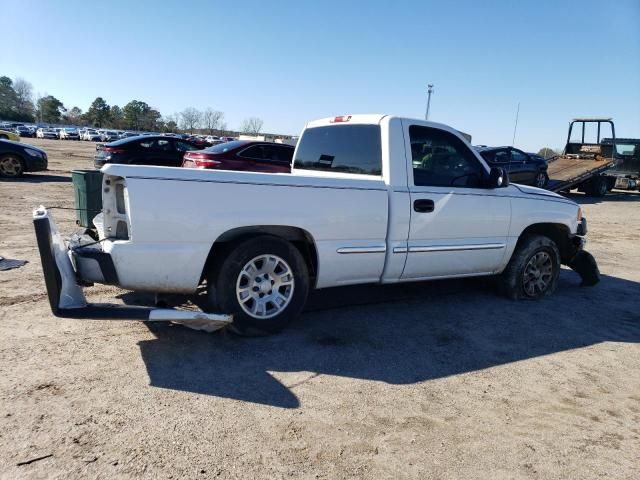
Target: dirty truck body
<point x="372" y="199"/>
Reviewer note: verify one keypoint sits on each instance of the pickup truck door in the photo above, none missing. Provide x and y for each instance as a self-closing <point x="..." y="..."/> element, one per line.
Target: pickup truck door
<point x="457" y="227"/>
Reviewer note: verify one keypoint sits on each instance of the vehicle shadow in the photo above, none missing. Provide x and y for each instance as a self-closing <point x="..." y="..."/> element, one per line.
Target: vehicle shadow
<point x="38" y="178"/>
<point x="613" y="196"/>
<point x="412" y="333"/>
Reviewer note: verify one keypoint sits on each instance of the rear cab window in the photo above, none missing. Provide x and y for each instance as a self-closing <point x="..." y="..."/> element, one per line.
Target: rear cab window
<point x="341" y="148"/>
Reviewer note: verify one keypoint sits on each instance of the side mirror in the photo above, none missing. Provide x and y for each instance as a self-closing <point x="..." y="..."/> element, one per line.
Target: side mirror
<point x="498" y="178"/>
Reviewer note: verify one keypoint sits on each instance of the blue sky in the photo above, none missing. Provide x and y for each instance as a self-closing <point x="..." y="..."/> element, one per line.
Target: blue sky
<point x="292" y="61"/>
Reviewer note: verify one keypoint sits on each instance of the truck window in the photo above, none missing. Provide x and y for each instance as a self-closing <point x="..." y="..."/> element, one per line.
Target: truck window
<point x="341" y="148"/>
<point x="440" y="159"/>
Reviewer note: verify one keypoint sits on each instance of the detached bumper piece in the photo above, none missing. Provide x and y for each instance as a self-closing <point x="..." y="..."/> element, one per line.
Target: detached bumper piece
<point x="67" y="300"/>
<point x="585" y="265"/>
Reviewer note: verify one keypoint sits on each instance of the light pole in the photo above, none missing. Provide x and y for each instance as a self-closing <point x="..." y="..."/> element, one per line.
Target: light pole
<point x="429" y="92"/>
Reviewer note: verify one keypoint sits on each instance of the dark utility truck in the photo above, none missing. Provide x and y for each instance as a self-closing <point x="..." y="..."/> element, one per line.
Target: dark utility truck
<point x="627" y="168"/>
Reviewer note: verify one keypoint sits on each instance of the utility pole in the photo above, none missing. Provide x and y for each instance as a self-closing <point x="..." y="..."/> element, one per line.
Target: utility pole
<point x="429" y="92"/>
<point x="513" y="140"/>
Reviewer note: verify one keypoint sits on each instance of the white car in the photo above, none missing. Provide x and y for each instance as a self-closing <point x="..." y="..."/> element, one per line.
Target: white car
<point x="91" y="135"/>
<point x="371" y="199"/>
<point x="109" y="136"/>
<point x="68" y="134"/>
<point x="46" y="133"/>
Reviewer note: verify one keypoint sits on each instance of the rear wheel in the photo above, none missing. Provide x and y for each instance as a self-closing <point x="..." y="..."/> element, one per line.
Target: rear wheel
<point x="597" y="187"/>
<point x="11" y="166"/>
<point x="263" y="282"/>
<point x="541" y="180"/>
<point x="533" y="270"/>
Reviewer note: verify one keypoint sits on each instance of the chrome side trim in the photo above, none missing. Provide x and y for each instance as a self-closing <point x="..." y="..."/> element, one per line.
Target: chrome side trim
<point x="400" y="249"/>
<point x="348" y="250"/>
<point x="456" y="248"/>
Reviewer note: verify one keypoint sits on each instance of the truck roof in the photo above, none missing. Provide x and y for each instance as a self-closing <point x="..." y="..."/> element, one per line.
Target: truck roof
<point x="373" y="119"/>
<point x="377" y="118"/>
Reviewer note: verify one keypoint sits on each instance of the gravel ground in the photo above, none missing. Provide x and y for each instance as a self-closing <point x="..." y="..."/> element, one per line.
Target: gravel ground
<point x="433" y="380"/>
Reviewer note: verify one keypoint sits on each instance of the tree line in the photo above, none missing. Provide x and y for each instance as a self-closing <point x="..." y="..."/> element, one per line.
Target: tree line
<point x="17" y="104"/>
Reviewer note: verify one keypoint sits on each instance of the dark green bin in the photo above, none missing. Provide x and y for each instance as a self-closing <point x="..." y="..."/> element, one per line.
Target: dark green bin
<point x="87" y="192"/>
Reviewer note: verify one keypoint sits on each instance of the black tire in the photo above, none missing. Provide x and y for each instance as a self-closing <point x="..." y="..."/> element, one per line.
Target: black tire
<point x="512" y="280"/>
<point x="11" y="166"/>
<point x="224" y="281"/>
<point x="541" y="180"/>
<point x="597" y="187"/>
<point x="4" y="137"/>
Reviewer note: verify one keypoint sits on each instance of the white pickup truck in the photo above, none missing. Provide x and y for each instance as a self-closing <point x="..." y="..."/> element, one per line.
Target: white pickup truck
<point x="371" y="199"/>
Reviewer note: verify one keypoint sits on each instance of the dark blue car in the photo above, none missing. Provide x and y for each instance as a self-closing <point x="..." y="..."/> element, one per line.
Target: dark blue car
<point x="18" y="158"/>
<point x="523" y="168"/>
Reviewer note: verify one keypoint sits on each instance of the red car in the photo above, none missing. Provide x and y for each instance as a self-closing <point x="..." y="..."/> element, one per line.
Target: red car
<point x="242" y="155"/>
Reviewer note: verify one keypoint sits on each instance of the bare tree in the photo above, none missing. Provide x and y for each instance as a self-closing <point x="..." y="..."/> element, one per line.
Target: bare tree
<point x="251" y="126"/>
<point x="190" y="119"/>
<point x="211" y="119"/>
<point x="24" y="96"/>
<point x="547" y="153"/>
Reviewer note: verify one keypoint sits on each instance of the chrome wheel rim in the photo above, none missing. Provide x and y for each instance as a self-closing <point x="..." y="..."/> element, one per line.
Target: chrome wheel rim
<point x="265" y="286"/>
<point x="537" y="274"/>
<point x="10" y="167"/>
<point x="540" y="180"/>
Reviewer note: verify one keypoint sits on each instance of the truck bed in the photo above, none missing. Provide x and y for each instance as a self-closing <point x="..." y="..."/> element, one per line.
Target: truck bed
<point x="566" y="172"/>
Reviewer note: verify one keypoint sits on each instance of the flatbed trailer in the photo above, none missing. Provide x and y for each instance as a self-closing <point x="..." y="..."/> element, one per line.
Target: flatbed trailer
<point x="583" y="164"/>
<point x="567" y="172"/>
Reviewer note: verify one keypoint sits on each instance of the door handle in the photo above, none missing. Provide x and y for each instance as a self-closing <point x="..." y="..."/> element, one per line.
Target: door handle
<point x="423" y="205"/>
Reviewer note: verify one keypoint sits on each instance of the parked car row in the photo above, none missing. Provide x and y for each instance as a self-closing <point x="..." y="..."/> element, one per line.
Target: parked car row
<point x="15" y="130"/>
<point x="240" y="155"/>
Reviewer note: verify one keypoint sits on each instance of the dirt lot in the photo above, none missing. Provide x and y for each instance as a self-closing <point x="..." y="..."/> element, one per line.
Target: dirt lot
<point x="436" y="380"/>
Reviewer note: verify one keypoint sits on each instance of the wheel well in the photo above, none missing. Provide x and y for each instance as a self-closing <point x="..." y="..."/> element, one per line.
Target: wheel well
<point x="298" y="237"/>
<point x="14" y="154"/>
<point x="557" y="232"/>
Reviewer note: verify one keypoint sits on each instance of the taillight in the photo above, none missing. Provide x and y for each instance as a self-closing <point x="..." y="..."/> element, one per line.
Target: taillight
<point x="342" y="118"/>
<point x="201" y="160"/>
<point x="113" y="150"/>
<point x="206" y="163"/>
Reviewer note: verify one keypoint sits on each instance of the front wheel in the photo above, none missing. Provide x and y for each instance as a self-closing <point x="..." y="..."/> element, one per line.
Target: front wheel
<point x="263" y="282"/>
<point x="533" y="270"/>
<point x="11" y="166"/>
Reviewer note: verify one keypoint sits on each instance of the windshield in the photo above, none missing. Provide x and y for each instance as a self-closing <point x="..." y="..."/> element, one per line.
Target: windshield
<point x="626" y="148"/>
<point x="225" y="147"/>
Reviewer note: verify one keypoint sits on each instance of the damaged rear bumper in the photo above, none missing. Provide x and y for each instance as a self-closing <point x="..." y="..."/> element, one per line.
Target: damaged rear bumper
<point x="64" y="266"/>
